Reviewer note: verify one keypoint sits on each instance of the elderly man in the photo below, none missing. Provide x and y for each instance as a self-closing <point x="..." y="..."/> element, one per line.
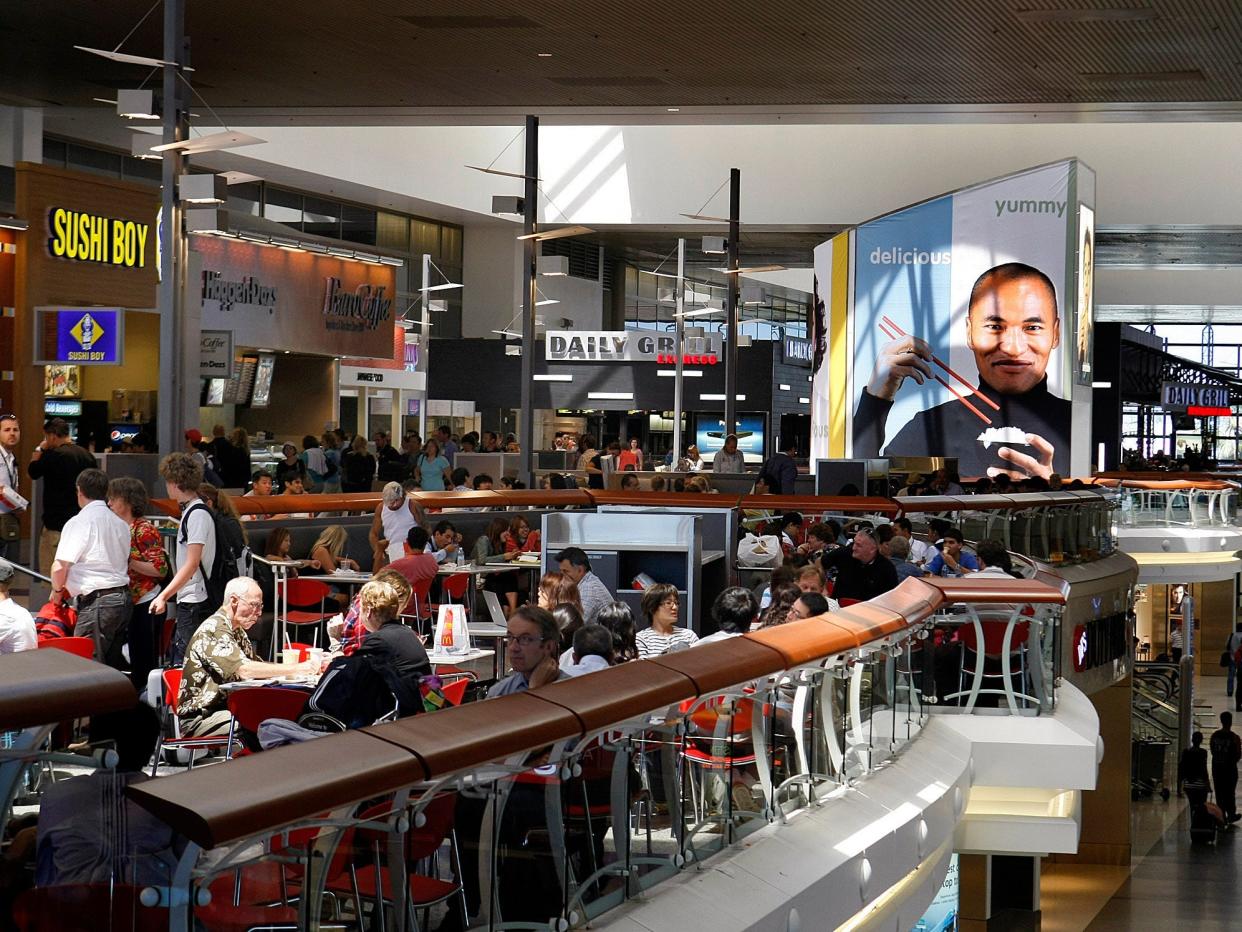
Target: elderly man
<point x="92" y="564"/>
<point x="575" y="564"/>
<point x="220" y="652"/>
<point x="394" y="517"/>
<point x="862" y="573"/>
<point x="531" y="647"/>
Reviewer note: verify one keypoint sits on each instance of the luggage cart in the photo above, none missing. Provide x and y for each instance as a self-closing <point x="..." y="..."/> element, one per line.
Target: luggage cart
<point x="1147" y="768"/>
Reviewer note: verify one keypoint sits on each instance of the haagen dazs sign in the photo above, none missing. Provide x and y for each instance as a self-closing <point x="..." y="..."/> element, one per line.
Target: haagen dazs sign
<point x="365" y="308"/>
<point x="230" y="295"/>
<point x="629" y="346"/>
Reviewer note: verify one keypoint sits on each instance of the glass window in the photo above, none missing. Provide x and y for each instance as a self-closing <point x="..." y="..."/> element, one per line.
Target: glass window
<point x="246" y="198"/>
<point x="425" y="238"/>
<point x="149" y="171"/>
<point x="321" y="217"/>
<point x="93" y="160"/>
<point x="450" y="246"/>
<point x="392" y="231"/>
<point x="358" y="224"/>
<point x="54" y="152"/>
<point x="283" y="207"/>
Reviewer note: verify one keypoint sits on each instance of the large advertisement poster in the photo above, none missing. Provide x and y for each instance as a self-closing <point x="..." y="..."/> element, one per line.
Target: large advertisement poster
<point x="960" y="312"/>
<point x="1085" y="326"/>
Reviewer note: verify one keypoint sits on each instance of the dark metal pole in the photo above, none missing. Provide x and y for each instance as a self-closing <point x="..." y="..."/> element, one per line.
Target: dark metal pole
<point x="731" y="302"/>
<point x="530" y="249"/>
<point x="172" y="264"/>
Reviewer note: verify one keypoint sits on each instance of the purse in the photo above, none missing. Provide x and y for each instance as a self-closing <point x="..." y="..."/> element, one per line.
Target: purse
<point x="1225" y="658"/>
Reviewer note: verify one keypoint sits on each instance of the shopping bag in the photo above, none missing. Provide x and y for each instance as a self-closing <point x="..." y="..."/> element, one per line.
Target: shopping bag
<point x="759" y="551"/>
<point x="451" y="634"/>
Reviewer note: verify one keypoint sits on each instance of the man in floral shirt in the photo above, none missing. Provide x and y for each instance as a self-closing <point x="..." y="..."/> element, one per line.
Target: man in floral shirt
<point x="220" y="652"/>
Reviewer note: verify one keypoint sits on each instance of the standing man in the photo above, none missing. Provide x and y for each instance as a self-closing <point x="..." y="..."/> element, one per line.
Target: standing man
<point x="195" y="552"/>
<point x="394" y="517"/>
<point x="10" y="475"/>
<point x="1226" y="751"/>
<point x="92" y="564"/>
<point x="729" y="459"/>
<point x="781" y="471"/>
<point x="57" y="461"/>
<point x="594" y="595"/>
<point x="391" y="464"/>
<point x="447" y="447"/>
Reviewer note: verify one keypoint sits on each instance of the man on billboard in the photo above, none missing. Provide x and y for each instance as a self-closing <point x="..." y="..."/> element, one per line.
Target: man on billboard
<point x="1012" y="423"/>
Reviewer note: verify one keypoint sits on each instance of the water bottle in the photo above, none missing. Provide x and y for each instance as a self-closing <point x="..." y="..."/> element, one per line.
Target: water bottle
<point x="460" y="555"/>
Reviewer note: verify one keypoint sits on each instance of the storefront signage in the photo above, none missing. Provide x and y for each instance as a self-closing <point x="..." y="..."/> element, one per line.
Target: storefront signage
<point x="383" y="378"/>
<point x="248" y="292"/>
<point x="215" y="354"/>
<point x="54" y="408"/>
<point x="797" y="351"/>
<point x="82" y="336"/>
<point x="86" y="237"/>
<point x="365" y="308"/>
<point x="629" y="346"/>
<point x="1180" y="395"/>
<point x="1100" y="641"/>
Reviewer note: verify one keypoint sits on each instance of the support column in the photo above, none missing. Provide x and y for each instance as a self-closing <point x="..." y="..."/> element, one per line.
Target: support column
<point x="731" y="302"/>
<point x="530" y="250"/>
<point x="679" y="378"/>
<point x="173" y="331"/>
<point x="998" y="892"/>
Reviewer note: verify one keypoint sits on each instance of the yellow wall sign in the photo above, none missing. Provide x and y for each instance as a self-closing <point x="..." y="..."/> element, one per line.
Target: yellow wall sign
<point x="75" y="234"/>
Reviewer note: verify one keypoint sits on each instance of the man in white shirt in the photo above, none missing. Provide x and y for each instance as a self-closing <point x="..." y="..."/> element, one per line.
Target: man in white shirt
<point x="92" y="565"/>
<point x="195" y="552"/>
<point x="594" y="595"/>
<point x="10" y="528"/>
<point x="17" y="628"/>
<point x="918" y="549"/>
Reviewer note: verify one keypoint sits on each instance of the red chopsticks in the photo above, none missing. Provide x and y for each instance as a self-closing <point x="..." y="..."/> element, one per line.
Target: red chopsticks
<point x="893" y="331"/>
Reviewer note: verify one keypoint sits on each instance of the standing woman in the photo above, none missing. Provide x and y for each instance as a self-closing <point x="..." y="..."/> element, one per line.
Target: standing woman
<point x="148" y="567"/>
<point x="357" y="467"/>
<point x="235" y="464"/>
<point x="631" y="457"/>
<point x="291" y="467"/>
<point x="431" y="469"/>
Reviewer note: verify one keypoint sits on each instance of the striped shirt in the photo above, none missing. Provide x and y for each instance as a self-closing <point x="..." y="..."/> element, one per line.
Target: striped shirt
<point x="652" y="643"/>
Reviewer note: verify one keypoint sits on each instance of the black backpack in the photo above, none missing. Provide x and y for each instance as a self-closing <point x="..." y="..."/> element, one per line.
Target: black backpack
<point x="224" y="567"/>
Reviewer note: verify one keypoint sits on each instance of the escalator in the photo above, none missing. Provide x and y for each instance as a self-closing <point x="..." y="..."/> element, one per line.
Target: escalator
<point x="1155" y="729"/>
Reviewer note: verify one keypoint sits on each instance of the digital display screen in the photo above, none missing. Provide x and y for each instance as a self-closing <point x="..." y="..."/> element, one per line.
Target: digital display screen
<point x="710" y="433"/>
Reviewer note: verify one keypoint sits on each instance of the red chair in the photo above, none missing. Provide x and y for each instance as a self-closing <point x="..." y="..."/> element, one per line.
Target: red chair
<point x="251" y="707"/>
<point x="81" y="647"/>
<point x="991" y="652"/>
<point x="454" y="587"/>
<point x="420" y="599"/>
<point x="170" y="723"/>
<point x="86" y="908"/>
<point x="305" y="594"/>
<point x="421" y="842"/>
<point x="722" y="743"/>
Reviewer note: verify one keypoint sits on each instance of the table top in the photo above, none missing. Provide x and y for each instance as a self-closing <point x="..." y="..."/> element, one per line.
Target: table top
<point x="350" y="578"/>
<point x="310" y="682"/>
<point x="487" y="630"/>
<point x="474" y="569"/>
<point x="465" y="656"/>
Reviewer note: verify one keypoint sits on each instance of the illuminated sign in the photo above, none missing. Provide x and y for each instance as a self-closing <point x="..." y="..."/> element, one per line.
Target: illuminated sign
<point x="797" y="352"/>
<point x="86" y="237"/>
<point x="629" y="346"/>
<point x="363" y="309"/>
<point x="82" y="336"/>
<point x="1181" y="395"/>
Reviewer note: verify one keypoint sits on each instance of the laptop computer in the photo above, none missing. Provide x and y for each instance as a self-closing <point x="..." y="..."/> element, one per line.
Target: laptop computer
<point x="493" y="608"/>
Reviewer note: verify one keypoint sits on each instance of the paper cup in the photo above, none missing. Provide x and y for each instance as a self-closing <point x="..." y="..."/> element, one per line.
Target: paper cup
<point x="289" y="656"/>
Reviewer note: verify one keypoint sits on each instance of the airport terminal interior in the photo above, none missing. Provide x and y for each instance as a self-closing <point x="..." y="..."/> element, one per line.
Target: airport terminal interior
<point x="620" y="466"/>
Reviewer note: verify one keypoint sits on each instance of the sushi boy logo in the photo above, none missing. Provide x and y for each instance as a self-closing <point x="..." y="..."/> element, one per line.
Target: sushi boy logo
<point x="86" y="331"/>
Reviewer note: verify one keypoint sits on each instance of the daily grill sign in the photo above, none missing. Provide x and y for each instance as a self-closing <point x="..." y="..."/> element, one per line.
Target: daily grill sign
<point x="629" y="346"/>
<point x="86" y="237"/>
<point x="1182" y="396"/>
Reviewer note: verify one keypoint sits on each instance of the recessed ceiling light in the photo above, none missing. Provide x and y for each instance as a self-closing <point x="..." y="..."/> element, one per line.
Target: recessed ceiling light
<point x="674" y="109"/>
<point x="545" y="54"/>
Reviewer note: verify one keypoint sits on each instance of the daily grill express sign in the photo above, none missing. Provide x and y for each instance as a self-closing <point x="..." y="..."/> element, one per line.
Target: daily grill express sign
<point x="629" y="346"/>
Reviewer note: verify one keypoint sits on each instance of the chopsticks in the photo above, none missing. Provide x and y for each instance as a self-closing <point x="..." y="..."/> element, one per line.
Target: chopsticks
<point x="891" y="330"/>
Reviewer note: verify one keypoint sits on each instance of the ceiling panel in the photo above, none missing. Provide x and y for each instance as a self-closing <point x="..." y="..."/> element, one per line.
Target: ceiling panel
<point x="408" y="53"/>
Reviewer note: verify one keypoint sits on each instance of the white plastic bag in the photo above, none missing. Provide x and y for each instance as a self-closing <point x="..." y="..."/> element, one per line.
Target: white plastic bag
<point x="755" y="551"/>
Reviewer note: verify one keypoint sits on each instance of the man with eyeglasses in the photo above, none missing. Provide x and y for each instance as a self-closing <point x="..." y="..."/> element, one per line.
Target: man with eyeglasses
<point x="862" y="573"/>
<point x="220" y="652"/>
<point x="10" y="474"/>
<point x="531" y="646"/>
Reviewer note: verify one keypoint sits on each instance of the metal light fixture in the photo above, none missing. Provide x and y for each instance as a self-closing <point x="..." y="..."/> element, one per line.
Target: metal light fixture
<point x="206" y="220"/>
<point x="140" y="146"/>
<point x="554" y="265"/>
<point x="715" y="245"/>
<point x="212" y="142"/>
<point x="137" y="105"/>
<point x="202" y="188"/>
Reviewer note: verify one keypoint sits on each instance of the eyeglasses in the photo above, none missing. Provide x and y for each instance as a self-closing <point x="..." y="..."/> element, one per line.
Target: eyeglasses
<point x="525" y="640"/>
<point x="671" y="602"/>
<point x="256" y="604"/>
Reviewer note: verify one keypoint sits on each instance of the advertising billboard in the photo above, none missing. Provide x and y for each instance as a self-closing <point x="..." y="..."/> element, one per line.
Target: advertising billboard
<point x="709" y="434"/>
<point x="948" y="328"/>
<point x="80" y="336"/>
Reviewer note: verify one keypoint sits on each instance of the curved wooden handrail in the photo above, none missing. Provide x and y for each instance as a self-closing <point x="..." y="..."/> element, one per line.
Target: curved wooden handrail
<point x="260" y="793"/>
<point x="38" y="687"/>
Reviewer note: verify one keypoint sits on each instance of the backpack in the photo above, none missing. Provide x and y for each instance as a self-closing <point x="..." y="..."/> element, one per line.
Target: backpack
<point x="225" y="566"/>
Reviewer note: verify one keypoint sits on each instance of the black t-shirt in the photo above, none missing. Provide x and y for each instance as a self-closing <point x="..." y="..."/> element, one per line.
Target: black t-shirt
<point x="595" y="480"/>
<point x="357" y="471"/>
<point x="396" y="655"/>
<point x="59" y="469"/>
<point x="858" y="580"/>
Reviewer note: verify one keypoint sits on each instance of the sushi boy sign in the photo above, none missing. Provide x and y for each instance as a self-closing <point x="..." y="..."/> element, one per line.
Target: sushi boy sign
<point x="955" y="322"/>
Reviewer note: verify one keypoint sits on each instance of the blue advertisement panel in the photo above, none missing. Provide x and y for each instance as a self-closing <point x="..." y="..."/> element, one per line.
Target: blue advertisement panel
<point x="80" y="336"/>
<point x="961" y="328"/>
<point x="710" y="433"/>
<point x="941" y="915"/>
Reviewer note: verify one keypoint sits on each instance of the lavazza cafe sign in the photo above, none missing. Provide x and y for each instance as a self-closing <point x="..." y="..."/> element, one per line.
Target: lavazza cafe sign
<point x="629" y="346"/>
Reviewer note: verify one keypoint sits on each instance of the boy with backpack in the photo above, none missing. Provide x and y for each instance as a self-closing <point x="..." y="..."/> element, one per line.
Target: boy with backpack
<point x="199" y="572"/>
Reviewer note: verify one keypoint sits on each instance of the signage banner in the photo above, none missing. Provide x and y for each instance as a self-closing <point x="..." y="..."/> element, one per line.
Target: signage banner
<point x="953" y="317"/>
<point x="630" y="346"/>
<point x="1085" y="327"/>
<point x="82" y="336"/>
<point x="797" y="351"/>
<point x="298" y="301"/>
<point x="87" y="237"/>
<point x="1179" y="396"/>
<point x="215" y="354"/>
<point x="383" y="378"/>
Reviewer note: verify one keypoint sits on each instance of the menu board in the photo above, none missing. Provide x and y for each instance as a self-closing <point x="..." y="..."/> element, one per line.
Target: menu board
<point x="237" y="388"/>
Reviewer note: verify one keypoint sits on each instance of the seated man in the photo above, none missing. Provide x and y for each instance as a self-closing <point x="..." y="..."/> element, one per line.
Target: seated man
<point x="443" y="543"/>
<point x="461" y="479"/>
<point x="592" y="650"/>
<point x="89" y="832"/>
<point x="861" y="572"/>
<point x="482" y="483"/>
<point x="220" y="652"/>
<point x="260" y="487"/>
<point x="574" y="563"/>
<point x="388" y="667"/>
<point x="811" y="579"/>
<point x="734" y="611"/>
<point x="17" y="628"/>
<point x="531" y="648"/>
<point x="898" y="555"/>
<point x="417" y="566"/>
<point x="952" y="560"/>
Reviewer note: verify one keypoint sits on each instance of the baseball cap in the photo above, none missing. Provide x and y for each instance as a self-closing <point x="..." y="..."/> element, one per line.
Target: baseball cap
<point x="194" y="435"/>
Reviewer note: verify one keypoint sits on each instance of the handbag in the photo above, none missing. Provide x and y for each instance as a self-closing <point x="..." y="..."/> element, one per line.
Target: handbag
<point x="1225" y="658"/>
<point x="10" y="528"/>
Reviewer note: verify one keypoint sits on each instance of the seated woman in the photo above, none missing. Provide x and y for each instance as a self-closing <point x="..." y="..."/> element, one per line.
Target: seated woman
<point x="388" y="666"/>
<point x="348" y="629"/>
<point x="520" y="539"/>
<point x="617" y="619"/>
<point x="555" y="589"/>
<point x="329" y="550"/>
<point x="569" y="620"/>
<point x="661" y="605"/>
<point x="279" y="542"/>
<point x="291" y="467"/>
<point x="490" y="548"/>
